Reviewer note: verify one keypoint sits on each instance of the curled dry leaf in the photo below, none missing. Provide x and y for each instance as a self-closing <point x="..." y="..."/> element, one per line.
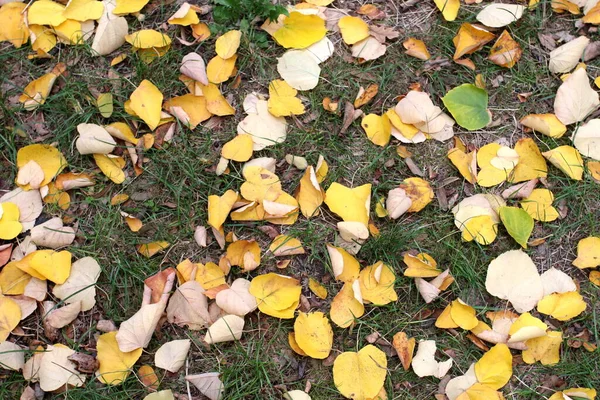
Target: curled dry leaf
<point x="237" y="299"/>
<point x="52" y="234"/>
<point x="80" y="285"/>
<point x="225" y="329"/>
<point x="575" y="98"/>
<point x="405" y="348"/>
<point x="189" y="306"/>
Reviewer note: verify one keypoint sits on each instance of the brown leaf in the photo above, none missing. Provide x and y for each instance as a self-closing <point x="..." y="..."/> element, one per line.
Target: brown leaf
<point x="405" y="348"/>
<point x="372" y="338"/>
<point x="547" y="41"/>
<point x="366" y="95"/>
<point x="348" y="117"/>
<point x="84" y="362"/>
<point x="413" y="167"/>
<point x="5" y="252"/>
<point x="157" y="283"/>
<point x="592" y="51"/>
<point x="381" y="33"/>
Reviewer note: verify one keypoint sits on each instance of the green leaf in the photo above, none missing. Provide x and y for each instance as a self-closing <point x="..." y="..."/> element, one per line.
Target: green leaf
<point x="468" y="105"/>
<point x="518" y="223"/>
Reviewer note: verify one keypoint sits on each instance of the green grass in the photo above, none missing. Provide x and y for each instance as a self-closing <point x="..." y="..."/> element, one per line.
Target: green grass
<point x="262" y="365"/>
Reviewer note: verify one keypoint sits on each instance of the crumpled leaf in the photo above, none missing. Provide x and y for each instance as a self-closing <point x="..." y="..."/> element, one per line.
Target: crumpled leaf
<point x="265" y="129"/>
<point x="588" y="253"/>
<point x="276" y="295"/>
<point x="567" y="159"/>
<point x="566" y="57"/>
<point x="531" y="164"/>
<point x="469" y="39"/>
<point x="237" y="299"/>
<point x="506" y="51"/>
<point x="313" y="334"/>
<point x="171" y="355"/>
<point x="57" y="370"/>
<point x="405" y="348"/>
<point x="225" y="329"/>
<point x="432" y="289"/>
<point x="574" y="393"/>
<point x="587" y="139"/>
<point x="114" y="365"/>
<point x="514" y="277"/>
<point x="421" y="265"/>
<point x="424" y="364"/>
<point x="518" y="224"/>
<point x="477" y="217"/>
<point x="360" y="375"/>
<point x="468" y="105"/>
<point x="299" y="31"/>
<point x="575" y="98"/>
<point x="112" y="167"/>
<point x="190" y="110"/>
<point x="111" y="30"/>
<point x="284" y="245"/>
<point x="460" y="384"/>
<point x="526" y="327"/>
<point x="497" y="15"/>
<point x="208" y="384"/>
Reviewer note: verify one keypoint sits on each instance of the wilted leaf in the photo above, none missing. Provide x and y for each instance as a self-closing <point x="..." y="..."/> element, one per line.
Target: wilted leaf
<point x="111" y="30"/>
<point x="264" y="128"/>
<point x="545" y="349"/>
<point x="347" y="305"/>
<point x="57" y="370"/>
<point x="506" y="51"/>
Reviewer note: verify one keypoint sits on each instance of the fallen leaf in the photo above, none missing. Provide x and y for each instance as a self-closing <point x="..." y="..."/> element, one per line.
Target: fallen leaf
<point x="208" y="384"/>
<point x="146" y="102"/>
<point x="347" y="305"/>
<point x="588" y="253"/>
<point x="351" y="204"/>
<point x="171" y="355"/>
<point x="237" y="299"/>
<point x="575" y="99"/>
<point x="283" y="101"/>
<point x="539" y="205"/>
<point x="469" y="39"/>
<point x="224" y="329"/>
<point x="300" y="69"/>
<point x="518" y="223"/>
<point x="587" y="140"/>
<point x="405" y="348"/>
<point x="416" y="48"/>
<point x="562" y="306"/>
<point x="264" y="128"/>
<point x="368" y="49"/>
<point x="449" y="8"/>
<point x="353" y="29"/>
<point x="566" y="57"/>
<point x="114" y="365"/>
<point x="10" y="316"/>
<point x="111" y="31"/>
<point x="276" y="295"/>
<point x="360" y="375"/>
<point x="56" y="370"/>
<point x="567" y="159"/>
<point x="188" y="306"/>
<point x="545" y="349"/>
<point x="299" y="31"/>
<point x="148" y="377"/>
<point x="424" y="364"/>
<point x="226" y="45"/>
<point x="506" y="52"/>
<point x="497" y="15"/>
<point x="468" y="105"/>
<point x="313" y="334"/>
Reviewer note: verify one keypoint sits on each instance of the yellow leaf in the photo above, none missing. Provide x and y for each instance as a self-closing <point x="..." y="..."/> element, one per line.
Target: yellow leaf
<point x="194" y="109"/>
<point x="284" y="245"/>
<point x="531" y="163"/>
<point x="345" y="267"/>
<point x="200" y="31"/>
<point x="238" y="149"/>
<point x="546" y="124"/>
<point x="449" y="8"/>
<point x="12" y="24"/>
<point x="283" y="101"/>
<point x="114" y="365"/>
<point x="378" y="128"/>
<point x="351" y="204"/>
<point x="129" y="6"/>
<point x="276" y="295"/>
<point x="10" y="227"/>
<point x="37" y="91"/>
<point x="152" y="248"/>
<point x="83" y="10"/>
<point x="69" y="32"/>
<point x="562" y="306"/>
<point x="420" y="266"/>
<point x="465" y="163"/>
<point x="310" y="196"/>
<point x="588" y="253"/>
<point x="227" y="44"/>
<point x="463" y="315"/>
<point x="419" y="191"/>
<point x="147" y="39"/>
<point x="313" y="334"/>
<point x="215" y="102"/>
<point x="545" y="349"/>
<point x="46" y="12"/>
<point x="377" y="284"/>
<point x="300" y="31"/>
<point x="13" y="279"/>
<point x="112" y="167"/>
<point x="184" y="16"/>
<point x="526" y="327"/>
<point x="347" y="305"/>
<point x="494" y="369"/>
<point x="219" y="208"/>
<point x="416" y="48"/>
<point x="10" y="316"/>
<point x="594" y="277"/>
<point x="496" y="163"/>
<point x="244" y="254"/>
<point x="580" y="393"/>
<point x="105" y="104"/>
<point x="294" y="345"/>
<point x="353" y="29"/>
<point x="539" y="205"/>
<point x="360" y="376"/>
<point x="319" y="290"/>
<point x="408" y="131"/>
<point x="42" y="38"/>
<point x="146" y="101"/>
<point x="567" y="159"/>
<point x="52" y="265"/>
<point x="121" y="130"/>
<point x="219" y="69"/>
<point x="506" y="51"/>
<point x="480" y="391"/>
<point x="469" y="38"/>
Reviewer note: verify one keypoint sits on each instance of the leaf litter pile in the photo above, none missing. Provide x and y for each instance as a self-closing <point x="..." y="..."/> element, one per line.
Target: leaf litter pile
<point x="46" y="289"/>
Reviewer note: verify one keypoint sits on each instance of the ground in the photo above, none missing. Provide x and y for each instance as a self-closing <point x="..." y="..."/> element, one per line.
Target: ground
<point x="170" y="197"/>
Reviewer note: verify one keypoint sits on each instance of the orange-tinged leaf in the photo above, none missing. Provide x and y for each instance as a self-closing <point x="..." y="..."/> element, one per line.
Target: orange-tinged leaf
<point x="148" y="377"/>
<point x="366" y="95"/>
<point x="416" y="48"/>
<point x="405" y="348"/>
<point x="469" y="39"/>
<point x="419" y="191"/>
<point x="506" y="51"/>
<point x="294" y="345"/>
<point x="150" y="249"/>
<point x="244" y="254"/>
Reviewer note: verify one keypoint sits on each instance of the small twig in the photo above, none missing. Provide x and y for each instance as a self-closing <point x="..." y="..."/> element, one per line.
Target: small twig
<point x="187" y="383"/>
